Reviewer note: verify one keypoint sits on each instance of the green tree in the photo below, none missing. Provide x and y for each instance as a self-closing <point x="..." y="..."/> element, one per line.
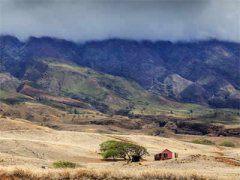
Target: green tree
<point x="120" y="149"/>
<point x="112" y="149"/>
<point x="76" y="111"/>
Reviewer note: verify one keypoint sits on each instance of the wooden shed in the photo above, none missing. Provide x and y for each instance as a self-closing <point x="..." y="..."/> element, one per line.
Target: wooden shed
<point x="164" y="155"/>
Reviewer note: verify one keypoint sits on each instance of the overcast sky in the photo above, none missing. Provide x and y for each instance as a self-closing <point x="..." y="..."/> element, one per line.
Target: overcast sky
<point x="81" y="20"/>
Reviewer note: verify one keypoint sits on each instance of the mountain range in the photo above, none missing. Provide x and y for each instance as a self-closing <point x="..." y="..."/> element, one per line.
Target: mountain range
<point x="119" y="75"/>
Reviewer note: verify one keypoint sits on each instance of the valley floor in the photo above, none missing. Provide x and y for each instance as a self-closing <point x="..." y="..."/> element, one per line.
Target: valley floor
<point x="28" y="146"/>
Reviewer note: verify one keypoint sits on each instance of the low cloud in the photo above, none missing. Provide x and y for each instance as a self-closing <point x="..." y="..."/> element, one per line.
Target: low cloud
<point x="82" y="20"/>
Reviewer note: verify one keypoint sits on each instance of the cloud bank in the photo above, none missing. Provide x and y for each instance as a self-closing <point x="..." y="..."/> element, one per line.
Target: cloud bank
<point x="81" y="20"/>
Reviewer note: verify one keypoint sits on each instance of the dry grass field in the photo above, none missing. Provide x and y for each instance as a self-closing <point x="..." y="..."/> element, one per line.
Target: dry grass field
<point x="110" y="173"/>
<point x="26" y="148"/>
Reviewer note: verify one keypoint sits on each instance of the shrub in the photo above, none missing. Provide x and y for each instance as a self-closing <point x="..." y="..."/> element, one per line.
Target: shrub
<point x="120" y="149"/>
<point x="227" y="144"/>
<point x="64" y="164"/>
<point x="203" y="141"/>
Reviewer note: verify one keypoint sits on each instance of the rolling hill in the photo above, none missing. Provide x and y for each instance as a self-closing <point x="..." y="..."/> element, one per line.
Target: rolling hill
<point x="37" y="147"/>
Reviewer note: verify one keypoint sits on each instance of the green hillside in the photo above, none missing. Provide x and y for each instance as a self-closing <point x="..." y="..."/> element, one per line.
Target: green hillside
<point x="83" y="83"/>
<point x="103" y="92"/>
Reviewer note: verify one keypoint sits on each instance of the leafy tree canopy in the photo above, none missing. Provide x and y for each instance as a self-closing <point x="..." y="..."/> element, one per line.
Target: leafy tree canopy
<point x="121" y="149"/>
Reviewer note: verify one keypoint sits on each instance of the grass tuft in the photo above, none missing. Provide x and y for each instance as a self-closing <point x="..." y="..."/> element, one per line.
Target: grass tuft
<point x="64" y="164"/>
<point x="227" y="144"/>
<point x="203" y="141"/>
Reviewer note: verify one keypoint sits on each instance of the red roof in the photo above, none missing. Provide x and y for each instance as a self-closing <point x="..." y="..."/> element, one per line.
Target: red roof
<point x="166" y="150"/>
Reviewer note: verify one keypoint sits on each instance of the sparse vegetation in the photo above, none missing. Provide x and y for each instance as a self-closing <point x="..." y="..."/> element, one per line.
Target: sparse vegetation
<point x="203" y="141"/>
<point x="227" y="144"/>
<point x="123" y="150"/>
<point x="64" y="164"/>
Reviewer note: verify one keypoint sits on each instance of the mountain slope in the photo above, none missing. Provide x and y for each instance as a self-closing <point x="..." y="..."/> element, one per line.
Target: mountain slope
<point x="207" y="71"/>
<point x="105" y="92"/>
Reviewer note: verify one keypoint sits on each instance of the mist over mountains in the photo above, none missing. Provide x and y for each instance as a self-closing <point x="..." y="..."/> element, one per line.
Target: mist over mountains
<point x="175" y="20"/>
<point x="203" y="72"/>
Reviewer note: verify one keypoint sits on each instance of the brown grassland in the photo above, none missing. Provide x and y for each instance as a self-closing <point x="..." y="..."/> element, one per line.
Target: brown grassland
<point x="27" y="151"/>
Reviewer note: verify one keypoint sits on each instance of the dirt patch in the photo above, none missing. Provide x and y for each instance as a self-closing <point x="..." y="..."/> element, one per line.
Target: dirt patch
<point x="193" y="158"/>
<point x="219" y="153"/>
<point x="227" y="160"/>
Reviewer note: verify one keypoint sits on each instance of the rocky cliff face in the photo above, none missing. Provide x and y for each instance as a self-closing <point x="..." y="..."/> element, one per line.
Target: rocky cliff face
<point x="204" y="72"/>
